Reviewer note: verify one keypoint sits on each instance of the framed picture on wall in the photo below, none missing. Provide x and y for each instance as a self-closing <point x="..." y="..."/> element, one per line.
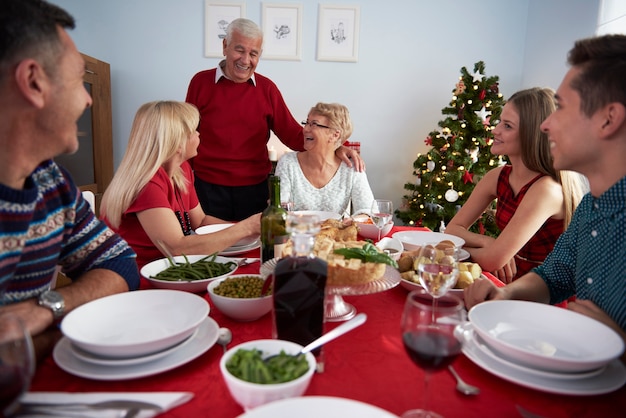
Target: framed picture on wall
<point x="217" y="16"/>
<point x="282" y="31"/>
<point x="338" y="33"/>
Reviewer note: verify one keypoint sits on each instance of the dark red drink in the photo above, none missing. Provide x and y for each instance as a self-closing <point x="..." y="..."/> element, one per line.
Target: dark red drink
<point x="299" y="284"/>
<point x="431" y="348"/>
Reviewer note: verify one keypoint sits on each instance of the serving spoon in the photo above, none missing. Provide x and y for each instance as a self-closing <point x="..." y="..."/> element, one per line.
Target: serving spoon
<point x="224" y="337"/>
<point x="331" y="335"/>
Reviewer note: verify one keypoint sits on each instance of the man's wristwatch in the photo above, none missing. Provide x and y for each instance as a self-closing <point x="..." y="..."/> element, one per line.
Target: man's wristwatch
<point x="53" y="301"/>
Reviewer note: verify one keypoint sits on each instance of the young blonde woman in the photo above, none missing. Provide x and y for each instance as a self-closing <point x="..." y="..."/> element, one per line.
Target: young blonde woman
<point x="151" y="198"/>
<point x="317" y="179"/>
<point x="535" y="203"/>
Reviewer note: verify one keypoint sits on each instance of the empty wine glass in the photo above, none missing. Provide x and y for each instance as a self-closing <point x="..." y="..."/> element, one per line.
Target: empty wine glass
<point x="17" y="362"/>
<point x="437" y="269"/>
<point x="428" y="337"/>
<point x="382" y="211"/>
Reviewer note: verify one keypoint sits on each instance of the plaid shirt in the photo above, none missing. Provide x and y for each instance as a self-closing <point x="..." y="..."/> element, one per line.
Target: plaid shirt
<point x="541" y="244"/>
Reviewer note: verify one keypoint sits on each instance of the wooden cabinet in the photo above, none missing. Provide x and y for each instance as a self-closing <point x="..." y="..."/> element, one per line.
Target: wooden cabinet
<point x="92" y="165"/>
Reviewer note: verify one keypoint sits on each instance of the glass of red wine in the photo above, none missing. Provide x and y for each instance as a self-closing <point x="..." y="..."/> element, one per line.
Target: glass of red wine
<point x="17" y="362"/>
<point x="428" y="337"/>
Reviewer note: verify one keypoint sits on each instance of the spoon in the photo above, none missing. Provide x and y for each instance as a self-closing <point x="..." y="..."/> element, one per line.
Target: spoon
<point x="461" y="386"/>
<point x="331" y="335"/>
<point x="224" y="337"/>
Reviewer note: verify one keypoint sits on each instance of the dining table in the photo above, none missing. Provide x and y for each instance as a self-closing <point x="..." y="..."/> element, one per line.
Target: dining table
<point x="369" y="364"/>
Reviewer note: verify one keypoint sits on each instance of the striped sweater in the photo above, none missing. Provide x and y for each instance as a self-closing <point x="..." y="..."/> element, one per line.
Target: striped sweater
<point x="48" y="223"/>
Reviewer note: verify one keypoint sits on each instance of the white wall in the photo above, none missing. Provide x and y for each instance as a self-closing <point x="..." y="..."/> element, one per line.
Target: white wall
<point x="410" y="55"/>
<point x="612" y="17"/>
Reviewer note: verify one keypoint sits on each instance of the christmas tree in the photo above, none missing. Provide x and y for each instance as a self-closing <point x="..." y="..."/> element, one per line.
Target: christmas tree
<point x="459" y="157"/>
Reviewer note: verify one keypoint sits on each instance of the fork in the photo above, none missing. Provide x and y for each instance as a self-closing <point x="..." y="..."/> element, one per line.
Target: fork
<point x="50" y="408"/>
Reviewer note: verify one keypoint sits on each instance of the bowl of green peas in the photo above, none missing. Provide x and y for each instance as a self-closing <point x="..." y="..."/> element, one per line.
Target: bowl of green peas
<point x="190" y="273"/>
<point x="261" y="371"/>
<point x="241" y="297"/>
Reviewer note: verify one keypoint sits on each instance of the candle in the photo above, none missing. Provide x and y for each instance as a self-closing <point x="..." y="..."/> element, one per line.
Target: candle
<point x="273" y="154"/>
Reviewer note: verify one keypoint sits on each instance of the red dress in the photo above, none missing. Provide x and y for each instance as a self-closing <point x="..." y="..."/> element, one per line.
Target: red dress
<point x="541" y="244"/>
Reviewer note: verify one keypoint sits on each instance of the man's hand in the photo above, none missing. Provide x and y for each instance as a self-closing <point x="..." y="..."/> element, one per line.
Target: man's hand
<point x="351" y="158"/>
<point x="480" y="291"/>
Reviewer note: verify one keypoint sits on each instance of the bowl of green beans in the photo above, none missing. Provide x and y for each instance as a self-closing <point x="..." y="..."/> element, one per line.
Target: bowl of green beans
<point x="253" y="379"/>
<point x="190" y="273"/>
<point x="241" y="297"/>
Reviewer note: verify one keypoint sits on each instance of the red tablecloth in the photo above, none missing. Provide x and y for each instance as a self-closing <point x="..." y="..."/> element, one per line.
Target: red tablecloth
<point x="369" y="364"/>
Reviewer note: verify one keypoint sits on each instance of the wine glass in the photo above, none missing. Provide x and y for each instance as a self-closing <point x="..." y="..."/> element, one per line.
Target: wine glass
<point x="382" y="211"/>
<point x="438" y="269"/>
<point x="428" y="337"/>
<point x="17" y="362"/>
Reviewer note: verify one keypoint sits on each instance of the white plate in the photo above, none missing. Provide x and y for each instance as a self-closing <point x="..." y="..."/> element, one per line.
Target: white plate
<point x="612" y="377"/>
<point x="413" y="239"/>
<point x="317" y="406"/>
<point x="106" y="361"/>
<point x="322" y="215"/>
<point x="545" y="337"/>
<point x="410" y="286"/>
<point x="194" y="286"/>
<point x="134" y="324"/>
<point x="244" y="242"/>
<point x="536" y="372"/>
<point x="204" y="339"/>
<point x="240" y="250"/>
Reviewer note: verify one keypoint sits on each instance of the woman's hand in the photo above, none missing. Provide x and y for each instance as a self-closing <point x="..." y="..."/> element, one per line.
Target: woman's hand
<point x="507" y="272"/>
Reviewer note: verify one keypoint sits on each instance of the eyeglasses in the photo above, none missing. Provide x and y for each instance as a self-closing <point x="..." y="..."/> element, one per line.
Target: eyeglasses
<point x="314" y="124"/>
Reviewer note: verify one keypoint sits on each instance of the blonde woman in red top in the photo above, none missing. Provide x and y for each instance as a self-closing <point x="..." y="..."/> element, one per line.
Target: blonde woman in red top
<point x="535" y="203"/>
<point x="151" y="197"/>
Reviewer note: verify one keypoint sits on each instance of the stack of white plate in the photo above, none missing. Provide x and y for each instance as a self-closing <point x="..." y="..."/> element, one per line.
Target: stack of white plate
<point x="544" y="347"/>
<point x="244" y="245"/>
<point x="413" y="240"/>
<point x="135" y="334"/>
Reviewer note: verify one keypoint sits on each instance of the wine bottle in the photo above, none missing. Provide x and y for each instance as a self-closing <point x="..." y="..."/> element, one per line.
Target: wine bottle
<point x="273" y="233"/>
<point x="299" y="285"/>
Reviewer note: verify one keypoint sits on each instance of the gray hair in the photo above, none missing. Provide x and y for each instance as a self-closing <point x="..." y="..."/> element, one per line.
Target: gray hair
<point x="245" y="27"/>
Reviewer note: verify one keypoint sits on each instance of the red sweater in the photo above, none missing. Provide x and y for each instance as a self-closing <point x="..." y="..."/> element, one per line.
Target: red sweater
<point x="235" y="124"/>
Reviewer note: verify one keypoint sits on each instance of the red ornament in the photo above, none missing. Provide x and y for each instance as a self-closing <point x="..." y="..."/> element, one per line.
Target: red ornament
<point x="468" y="177"/>
<point x="428" y="141"/>
<point x="481" y="228"/>
<point x="482" y="94"/>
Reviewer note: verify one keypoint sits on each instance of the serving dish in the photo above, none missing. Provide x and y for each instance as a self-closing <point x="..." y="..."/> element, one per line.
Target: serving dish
<point x="196" y="286"/>
<point x="135" y="324"/>
<point x="545" y="337"/>
<point x="370" y="231"/>
<point x="250" y="395"/>
<point x="240" y="309"/>
<point x="318" y="406"/>
<point x="412" y="240"/>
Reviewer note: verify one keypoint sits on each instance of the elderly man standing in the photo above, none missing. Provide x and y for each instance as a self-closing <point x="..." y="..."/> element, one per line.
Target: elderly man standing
<point x="238" y="109"/>
<point x="44" y="220"/>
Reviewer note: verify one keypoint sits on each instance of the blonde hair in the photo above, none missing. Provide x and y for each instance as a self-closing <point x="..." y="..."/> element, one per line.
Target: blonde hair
<point x="533" y="106"/>
<point x="338" y="118"/>
<point x="159" y="131"/>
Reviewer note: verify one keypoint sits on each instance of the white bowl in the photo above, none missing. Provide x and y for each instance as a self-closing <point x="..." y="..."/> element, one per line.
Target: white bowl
<point x="250" y="395"/>
<point x="413" y="240"/>
<point x="367" y="230"/>
<point x="321" y="215"/>
<point x="134" y="324"/>
<point x="244" y="242"/>
<point x="393" y="245"/>
<point x="241" y="309"/>
<point x="153" y="268"/>
<point x="545" y="337"/>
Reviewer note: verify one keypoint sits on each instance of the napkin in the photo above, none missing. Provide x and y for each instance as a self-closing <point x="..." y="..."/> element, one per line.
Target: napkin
<point x="166" y="400"/>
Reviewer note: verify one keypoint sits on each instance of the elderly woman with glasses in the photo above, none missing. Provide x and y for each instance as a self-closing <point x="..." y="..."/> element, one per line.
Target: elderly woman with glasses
<point x="316" y="179"/>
